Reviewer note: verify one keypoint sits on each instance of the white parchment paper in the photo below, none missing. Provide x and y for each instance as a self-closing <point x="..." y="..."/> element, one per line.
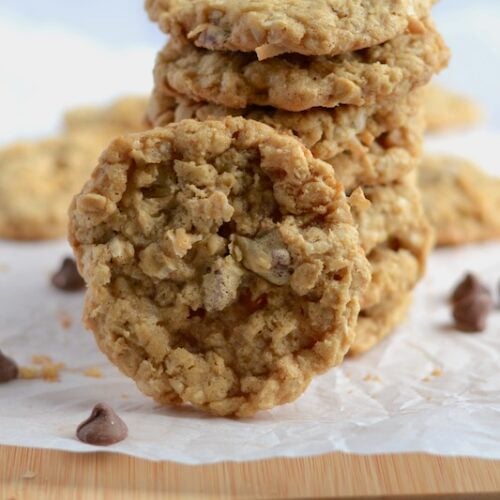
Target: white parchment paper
<point x="387" y="401"/>
<point x="427" y="388"/>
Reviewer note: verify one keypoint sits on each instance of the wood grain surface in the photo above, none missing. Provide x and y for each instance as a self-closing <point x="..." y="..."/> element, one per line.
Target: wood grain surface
<point x="39" y="474"/>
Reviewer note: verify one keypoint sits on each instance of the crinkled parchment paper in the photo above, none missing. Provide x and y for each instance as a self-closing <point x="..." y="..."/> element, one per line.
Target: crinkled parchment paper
<point x="426" y="388"/>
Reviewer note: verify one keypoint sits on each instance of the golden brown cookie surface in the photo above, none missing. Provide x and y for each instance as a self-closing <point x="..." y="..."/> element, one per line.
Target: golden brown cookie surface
<point x="272" y="27"/>
<point x="375" y="323"/>
<point x="392" y="215"/>
<point x="365" y="145"/>
<point x="445" y="110"/>
<point x="461" y="201"/>
<point x="219" y="274"/>
<point x="125" y="115"/>
<point x="298" y="83"/>
<point x="397" y="239"/>
<point x="39" y="179"/>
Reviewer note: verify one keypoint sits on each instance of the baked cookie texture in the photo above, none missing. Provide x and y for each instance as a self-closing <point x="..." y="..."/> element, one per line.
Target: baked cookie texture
<point x="397" y="240"/>
<point x="223" y="265"/>
<point x="394" y="271"/>
<point x="383" y="317"/>
<point x="127" y="114"/>
<point x="298" y="83"/>
<point x="445" y="110"/>
<point x="273" y="27"/>
<point x="392" y="214"/>
<point x="461" y="201"/>
<point x="39" y="179"/>
<point x="366" y="145"/>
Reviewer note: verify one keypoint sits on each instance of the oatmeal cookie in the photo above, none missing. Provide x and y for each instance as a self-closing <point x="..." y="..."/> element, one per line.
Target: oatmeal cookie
<point x="392" y="215"/>
<point x="395" y="235"/>
<point x="126" y="115"/>
<point x="298" y="83"/>
<point x="375" y="323"/>
<point x="394" y="272"/>
<point x="397" y="240"/>
<point x="445" y="110"/>
<point x="397" y="249"/>
<point x="39" y="179"/>
<point x="273" y="27"/>
<point x="368" y="145"/>
<point x="461" y="201"/>
<point x="223" y="266"/>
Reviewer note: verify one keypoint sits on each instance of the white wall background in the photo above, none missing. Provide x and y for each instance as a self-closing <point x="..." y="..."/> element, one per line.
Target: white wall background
<point x="58" y="53"/>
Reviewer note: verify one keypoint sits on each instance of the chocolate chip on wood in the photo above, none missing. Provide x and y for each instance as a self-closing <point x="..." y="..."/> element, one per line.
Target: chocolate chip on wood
<point x="103" y="428"/>
<point x="8" y="369"/>
<point x="68" y="278"/>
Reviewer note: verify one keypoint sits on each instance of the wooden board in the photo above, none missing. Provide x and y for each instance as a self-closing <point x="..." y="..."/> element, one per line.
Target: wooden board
<point x="38" y="474"/>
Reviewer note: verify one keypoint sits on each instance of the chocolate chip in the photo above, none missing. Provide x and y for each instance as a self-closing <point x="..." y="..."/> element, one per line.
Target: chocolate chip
<point x="103" y="427"/>
<point x="68" y="278"/>
<point x="8" y="369"/>
<point x="471" y="312"/>
<point x="468" y="286"/>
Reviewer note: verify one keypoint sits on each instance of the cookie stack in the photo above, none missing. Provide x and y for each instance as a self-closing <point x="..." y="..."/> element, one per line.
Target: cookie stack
<point x="343" y="77"/>
<point x="228" y="253"/>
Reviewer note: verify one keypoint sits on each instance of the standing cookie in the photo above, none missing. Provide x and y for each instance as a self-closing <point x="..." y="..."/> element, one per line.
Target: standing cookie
<point x="223" y="265"/>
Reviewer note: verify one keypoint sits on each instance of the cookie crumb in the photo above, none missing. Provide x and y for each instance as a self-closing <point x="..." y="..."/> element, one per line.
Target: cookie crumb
<point x="65" y="320"/>
<point x="41" y="359"/>
<point x="45" y="369"/>
<point x="372" y="378"/>
<point x="437" y="372"/>
<point x="28" y="373"/>
<point x="93" y="372"/>
<point x="29" y="474"/>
